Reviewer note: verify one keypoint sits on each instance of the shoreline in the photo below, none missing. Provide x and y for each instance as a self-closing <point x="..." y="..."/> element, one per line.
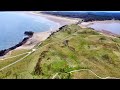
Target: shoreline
<point x="6" y="51"/>
<point x="102" y="31"/>
<point x="58" y="19"/>
<point x="34" y="40"/>
<point x="86" y="24"/>
<point x="41" y="36"/>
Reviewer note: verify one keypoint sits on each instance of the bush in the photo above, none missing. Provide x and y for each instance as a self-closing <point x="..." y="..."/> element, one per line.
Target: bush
<point x="89" y="32"/>
<point x="116" y="40"/>
<point x="102" y="38"/>
<point x="69" y="32"/>
<point x="106" y="57"/>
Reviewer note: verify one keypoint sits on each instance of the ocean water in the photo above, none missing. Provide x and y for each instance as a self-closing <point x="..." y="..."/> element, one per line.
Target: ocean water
<point x="113" y="27"/>
<point x="14" y="24"/>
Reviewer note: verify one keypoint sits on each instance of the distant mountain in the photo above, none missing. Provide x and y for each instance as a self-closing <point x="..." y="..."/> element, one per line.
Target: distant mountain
<point x="87" y="16"/>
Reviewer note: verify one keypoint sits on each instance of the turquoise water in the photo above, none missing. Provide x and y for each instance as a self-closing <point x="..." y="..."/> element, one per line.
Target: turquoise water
<point x="14" y="24"/>
<point x="113" y="27"/>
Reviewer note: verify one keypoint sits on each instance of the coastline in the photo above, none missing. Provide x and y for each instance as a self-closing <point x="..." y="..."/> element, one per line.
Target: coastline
<point x="41" y="36"/>
<point x="102" y="31"/>
<point x="58" y="19"/>
<point x="34" y="40"/>
<point x="86" y="24"/>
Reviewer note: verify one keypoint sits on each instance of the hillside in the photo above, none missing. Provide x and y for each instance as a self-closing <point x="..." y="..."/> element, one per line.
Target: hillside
<point x="70" y="53"/>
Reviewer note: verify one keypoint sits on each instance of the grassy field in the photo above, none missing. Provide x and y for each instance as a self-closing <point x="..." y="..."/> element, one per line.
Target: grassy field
<point x="71" y="48"/>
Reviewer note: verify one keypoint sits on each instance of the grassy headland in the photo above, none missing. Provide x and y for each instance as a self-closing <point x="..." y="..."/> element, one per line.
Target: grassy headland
<point x="69" y="49"/>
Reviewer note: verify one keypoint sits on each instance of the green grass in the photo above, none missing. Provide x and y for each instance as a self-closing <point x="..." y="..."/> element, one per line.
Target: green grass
<point x="86" y="49"/>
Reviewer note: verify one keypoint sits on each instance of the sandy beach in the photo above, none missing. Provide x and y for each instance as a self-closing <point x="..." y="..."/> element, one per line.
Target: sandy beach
<point x="102" y="31"/>
<point x="58" y="19"/>
<point x="36" y="39"/>
<point x="87" y="24"/>
<point x="41" y="36"/>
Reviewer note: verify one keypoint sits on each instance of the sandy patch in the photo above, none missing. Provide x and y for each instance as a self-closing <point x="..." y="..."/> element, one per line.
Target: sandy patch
<point x="36" y="39"/>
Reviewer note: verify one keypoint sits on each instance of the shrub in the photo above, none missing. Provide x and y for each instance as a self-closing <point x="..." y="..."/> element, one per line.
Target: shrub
<point x="102" y="38"/>
<point x="69" y="32"/>
<point x="106" y="57"/>
<point x="89" y="32"/>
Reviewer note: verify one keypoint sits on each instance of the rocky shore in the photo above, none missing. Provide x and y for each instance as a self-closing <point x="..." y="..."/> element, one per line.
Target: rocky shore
<point x="29" y="34"/>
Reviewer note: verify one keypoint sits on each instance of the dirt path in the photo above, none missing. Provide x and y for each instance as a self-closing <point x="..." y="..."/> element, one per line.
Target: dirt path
<point x="108" y="77"/>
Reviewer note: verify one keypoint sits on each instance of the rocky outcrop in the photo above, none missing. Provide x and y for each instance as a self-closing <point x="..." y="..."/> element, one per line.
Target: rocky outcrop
<point x="28" y="33"/>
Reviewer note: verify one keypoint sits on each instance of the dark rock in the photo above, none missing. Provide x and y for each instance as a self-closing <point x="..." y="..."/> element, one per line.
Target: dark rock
<point x="29" y="33"/>
<point x="62" y="27"/>
<point x="5" y="51"/>
<point x="2" y="52"/>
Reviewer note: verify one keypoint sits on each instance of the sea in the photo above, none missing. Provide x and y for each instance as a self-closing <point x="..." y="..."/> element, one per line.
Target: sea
<point x="113" y="27"/>
<point x="14" y="24"/>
